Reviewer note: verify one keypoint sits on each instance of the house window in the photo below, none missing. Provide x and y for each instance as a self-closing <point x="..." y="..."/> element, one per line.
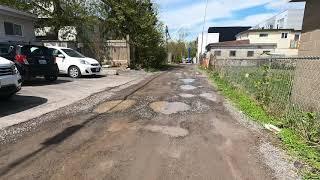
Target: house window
<point x="297" y="37"/>
<point x="233" y="53"/>
<point x="284" y="35"/>
<point x="217" y="53"/>
<point x="12" y="29"/>
<point x="264" y="35"/>
<point x="250" y="53"/>
<point x="266" y="52"/>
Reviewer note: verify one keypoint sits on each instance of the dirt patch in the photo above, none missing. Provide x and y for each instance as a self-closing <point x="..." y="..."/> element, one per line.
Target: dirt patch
<point x="187" y="87"/>
<point x="165" y="107"/>
<point x="167" y="130"/>
<point x="114" y="106"/>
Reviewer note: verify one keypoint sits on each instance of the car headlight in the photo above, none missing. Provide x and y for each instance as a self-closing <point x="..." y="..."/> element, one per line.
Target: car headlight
<point x="84" y="62"/>
<point x="14" y="69"/>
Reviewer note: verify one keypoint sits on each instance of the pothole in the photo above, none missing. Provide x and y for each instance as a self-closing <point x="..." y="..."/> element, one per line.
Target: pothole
<point x="165" y="107"/>
<point x="188" y="81"/>
<point x="167" y="130"/>
<point x="187" y="87"/>
<point x="209" y="96"/>
<point x="114" y="106"/>
<point x="187" y="95"/>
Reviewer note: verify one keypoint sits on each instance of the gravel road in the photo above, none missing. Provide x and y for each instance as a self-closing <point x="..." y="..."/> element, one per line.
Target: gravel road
<point x="173" y="125"/>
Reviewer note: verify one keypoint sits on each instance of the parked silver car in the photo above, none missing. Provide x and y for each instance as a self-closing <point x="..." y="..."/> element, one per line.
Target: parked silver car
<point x="10" y="79"/>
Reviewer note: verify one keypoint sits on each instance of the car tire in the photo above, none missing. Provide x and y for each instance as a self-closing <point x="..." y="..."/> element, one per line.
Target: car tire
<point x="51" y="78"/>
<point x="74" y="72"/>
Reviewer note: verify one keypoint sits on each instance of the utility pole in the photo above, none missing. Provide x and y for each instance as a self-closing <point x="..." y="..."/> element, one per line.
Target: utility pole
<point x="167" y="41"/>
<point x="204" y="24"/>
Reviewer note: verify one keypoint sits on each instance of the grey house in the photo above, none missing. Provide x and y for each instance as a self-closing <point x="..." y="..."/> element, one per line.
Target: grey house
<point x="16" y="26"/>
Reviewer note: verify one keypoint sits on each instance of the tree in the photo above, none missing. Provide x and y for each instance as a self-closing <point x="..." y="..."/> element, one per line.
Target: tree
<point x="138" y="19"/>
<point x="116" y="19"/>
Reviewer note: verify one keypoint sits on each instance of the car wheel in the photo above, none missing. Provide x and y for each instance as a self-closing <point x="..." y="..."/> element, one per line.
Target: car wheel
<point x="74" y="72"/>
<point x="51" y="78"/>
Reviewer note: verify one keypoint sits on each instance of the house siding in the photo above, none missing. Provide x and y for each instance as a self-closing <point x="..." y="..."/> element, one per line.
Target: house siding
<point x="292" y="19"/>
<point x="241" y="53"/>
<point x="283" y="45"/>
<point x="310" y="39"/>
<point x="27" y="29"/>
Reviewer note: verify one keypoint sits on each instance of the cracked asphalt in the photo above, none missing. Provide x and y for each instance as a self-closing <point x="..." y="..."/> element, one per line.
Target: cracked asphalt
<point x="171" y="126"/>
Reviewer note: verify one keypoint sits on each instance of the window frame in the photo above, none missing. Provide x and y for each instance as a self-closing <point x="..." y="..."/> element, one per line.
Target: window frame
<point x="250" y="54"/>
<point x="231" y="53"/>
<point x="217" y="52"/>
<point x="284" y="35"/>
<point x="17" y="29"/>
<point x="263" y="35"/>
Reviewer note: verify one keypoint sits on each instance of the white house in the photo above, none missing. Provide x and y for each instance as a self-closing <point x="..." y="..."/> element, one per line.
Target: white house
<point x="208" y="38"/>
<point x="16" y="26"/>
<point x="289" y="19"/>
<point x="286" y="40"/>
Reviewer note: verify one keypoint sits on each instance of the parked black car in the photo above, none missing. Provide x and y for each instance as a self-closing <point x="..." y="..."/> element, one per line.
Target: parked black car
<point x="31" y="60"/>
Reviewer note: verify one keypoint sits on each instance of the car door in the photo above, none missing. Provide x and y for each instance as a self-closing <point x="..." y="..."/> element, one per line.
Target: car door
<point x="60" y="60"/>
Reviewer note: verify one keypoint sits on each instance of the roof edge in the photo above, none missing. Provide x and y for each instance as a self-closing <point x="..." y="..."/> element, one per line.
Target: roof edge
<point x="18" y="12"/>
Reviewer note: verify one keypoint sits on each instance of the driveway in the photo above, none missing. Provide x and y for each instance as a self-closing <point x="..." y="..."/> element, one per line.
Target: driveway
<point x="171" y="126"/>
<point x="40" y="97"/>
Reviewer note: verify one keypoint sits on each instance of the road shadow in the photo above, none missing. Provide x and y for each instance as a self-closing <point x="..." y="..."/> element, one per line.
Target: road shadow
<point x="47" y="145"/>
<point x="43" y="82"/>
<point x="19" y="103"/>
<point x="65" y="76"/>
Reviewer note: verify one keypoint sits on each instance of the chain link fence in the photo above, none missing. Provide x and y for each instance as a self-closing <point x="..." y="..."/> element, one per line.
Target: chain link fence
<point x="282" y="86"/>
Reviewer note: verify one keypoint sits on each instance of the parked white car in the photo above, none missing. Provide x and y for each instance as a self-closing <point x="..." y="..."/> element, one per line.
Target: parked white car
<point x="73" y="63"/>
<point x="10" y="79"/>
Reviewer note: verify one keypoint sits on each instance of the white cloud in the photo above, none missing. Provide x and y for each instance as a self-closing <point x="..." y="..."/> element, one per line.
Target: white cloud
<point x="284" y="4"/>
<point x="248" y="21"/>
<point x="187" y="15"/>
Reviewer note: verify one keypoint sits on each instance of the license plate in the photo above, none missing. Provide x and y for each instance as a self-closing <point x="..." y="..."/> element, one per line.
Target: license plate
<point x="41" y="61"/>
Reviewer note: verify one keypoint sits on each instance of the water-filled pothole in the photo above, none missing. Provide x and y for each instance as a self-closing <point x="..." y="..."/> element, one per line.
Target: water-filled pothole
<point x="188" y="81"/>
<point x="186" y="95"/>
<point x="165" y="107"/>
<point x="114" y="106"/>
<point x="187" y="87"/>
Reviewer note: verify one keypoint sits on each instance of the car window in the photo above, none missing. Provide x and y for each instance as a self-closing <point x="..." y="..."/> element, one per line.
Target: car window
<point x="35" y="51"/>
<point x="73" y="53"/>
<point x="54" y="52"/>
<point x="5" y="49"/>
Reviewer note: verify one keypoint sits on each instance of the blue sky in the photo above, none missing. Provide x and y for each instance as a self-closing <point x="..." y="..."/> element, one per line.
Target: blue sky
<point x="186" y="16"/>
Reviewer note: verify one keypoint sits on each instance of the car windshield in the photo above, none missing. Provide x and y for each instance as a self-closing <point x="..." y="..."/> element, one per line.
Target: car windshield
<point x="73" y="53"/>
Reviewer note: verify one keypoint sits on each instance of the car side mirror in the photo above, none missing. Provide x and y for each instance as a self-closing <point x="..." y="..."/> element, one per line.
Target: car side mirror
<point x="61" y="56"/>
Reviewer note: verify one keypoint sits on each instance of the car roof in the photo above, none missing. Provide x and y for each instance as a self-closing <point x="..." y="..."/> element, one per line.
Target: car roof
<point x="57" y="47"/>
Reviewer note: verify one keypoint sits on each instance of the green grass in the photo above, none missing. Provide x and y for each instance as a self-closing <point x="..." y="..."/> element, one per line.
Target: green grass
<point x="292" y="142"/>
<point x="280" y="85"/>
